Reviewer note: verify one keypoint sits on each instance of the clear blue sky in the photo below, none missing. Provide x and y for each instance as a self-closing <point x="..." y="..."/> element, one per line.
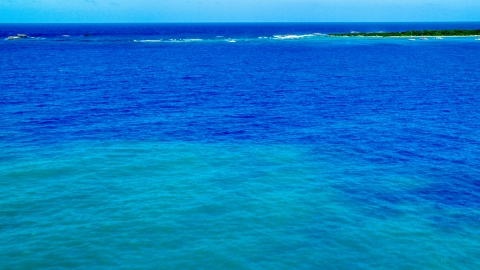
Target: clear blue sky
<point x="100" y="11"/>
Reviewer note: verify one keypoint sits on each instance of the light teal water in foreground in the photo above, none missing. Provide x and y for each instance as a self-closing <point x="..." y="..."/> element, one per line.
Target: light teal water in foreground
<point x="187" y="205"/>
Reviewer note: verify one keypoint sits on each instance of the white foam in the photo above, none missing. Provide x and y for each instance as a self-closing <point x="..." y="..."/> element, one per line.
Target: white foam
<point x="148" y="40"/>
<point x="288" y="36"/>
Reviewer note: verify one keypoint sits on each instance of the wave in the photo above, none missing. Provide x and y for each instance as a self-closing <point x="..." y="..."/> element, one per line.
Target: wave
<point x="290" y="36"/>
<point x="148" y="40"/>
<point x="184" y="40"/>
<point x="233" y="40"/>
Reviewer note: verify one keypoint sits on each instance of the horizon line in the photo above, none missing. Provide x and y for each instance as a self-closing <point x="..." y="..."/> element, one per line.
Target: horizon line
<point x="245" y="22"/>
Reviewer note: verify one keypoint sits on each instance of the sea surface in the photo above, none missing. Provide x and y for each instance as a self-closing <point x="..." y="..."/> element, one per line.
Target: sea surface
<point x="238" y="146"/>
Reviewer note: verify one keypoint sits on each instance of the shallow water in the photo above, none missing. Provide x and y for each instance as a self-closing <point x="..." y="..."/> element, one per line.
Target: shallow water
<point x="311" y="153"/>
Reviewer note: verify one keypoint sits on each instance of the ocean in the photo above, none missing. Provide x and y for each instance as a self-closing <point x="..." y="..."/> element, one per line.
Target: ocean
<point x="238" y="146"/>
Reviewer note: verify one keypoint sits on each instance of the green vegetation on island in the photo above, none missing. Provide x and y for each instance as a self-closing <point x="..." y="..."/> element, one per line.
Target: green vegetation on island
<point x="414" y="33"/>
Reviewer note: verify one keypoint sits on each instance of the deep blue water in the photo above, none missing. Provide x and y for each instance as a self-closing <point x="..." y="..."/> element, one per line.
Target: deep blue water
<point x="170" y="146"/>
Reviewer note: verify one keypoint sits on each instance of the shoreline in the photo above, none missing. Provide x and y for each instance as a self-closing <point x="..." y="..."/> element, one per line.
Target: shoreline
<point x="360" y="36"/>
<point x="413" y="33"/>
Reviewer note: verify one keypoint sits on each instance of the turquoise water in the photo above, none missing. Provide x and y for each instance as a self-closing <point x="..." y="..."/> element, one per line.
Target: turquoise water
<point x="306" y="153"/>
<point x="182" y="205"/>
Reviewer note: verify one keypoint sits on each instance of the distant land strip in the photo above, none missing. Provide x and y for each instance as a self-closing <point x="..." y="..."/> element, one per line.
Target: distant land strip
<point x="414" y="33"/>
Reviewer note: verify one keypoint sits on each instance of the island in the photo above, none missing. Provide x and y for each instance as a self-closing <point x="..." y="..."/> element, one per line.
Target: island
<point x="18" y="36"/>
<point x="412" y="33"/>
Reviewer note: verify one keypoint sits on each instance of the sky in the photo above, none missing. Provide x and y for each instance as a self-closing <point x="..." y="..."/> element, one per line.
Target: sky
<point x="149" y="11"/>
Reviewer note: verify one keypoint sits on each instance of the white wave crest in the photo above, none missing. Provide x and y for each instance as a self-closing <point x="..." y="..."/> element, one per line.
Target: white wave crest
<point x="148" y="40"/>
